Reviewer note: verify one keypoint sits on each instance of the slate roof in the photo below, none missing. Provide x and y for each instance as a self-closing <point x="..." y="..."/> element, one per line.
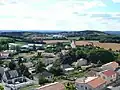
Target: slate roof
<point x="64" y="66"/>
<point x="46" y="74"/>
<point x="10" y="74"/>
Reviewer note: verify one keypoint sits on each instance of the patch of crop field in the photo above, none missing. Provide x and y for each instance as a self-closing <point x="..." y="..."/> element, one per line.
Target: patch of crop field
<point x="55" y="41"/>
<point x="113" y="46"/>
<point x="75" y="38"/>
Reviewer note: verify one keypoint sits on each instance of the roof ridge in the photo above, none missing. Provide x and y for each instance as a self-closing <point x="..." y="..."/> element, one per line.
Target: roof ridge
<point x="92" y="79"/>
<point x="48" y="85"/>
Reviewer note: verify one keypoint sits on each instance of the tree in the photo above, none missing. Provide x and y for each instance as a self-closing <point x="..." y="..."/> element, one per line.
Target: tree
<point x="24" y="71"/>
<point x="39" y="55"/>
<point x="34" y="47"/>
<point x="42" y="80"/>
<point x="80" y="54"/>
<point x="20" y="60"/>
<point x="56" y="68"/>
<point x="70" y="86"/>
<point x="1" y="87"/>
<point x="39" y="67"/>
<point x="17" y="48"/>
<point x="104" y="56"/>
<point x="12" y="65"/>
<point x="1" y="62"/>
<point x="69" y="58"/>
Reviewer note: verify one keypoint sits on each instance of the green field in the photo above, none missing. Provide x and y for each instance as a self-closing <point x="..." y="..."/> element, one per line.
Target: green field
<point x="20" y="43"/>
<point x="71" y="38"/>
<point x="3" y="38"/>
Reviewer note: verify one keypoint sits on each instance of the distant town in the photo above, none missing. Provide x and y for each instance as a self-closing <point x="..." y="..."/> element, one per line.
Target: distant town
<point x="74" y="60"/>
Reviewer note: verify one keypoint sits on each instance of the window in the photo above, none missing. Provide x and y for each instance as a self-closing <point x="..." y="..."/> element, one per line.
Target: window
<point x="103" y="77"/>
<point x="111" y="80"/>
<point x="86" y="88"/>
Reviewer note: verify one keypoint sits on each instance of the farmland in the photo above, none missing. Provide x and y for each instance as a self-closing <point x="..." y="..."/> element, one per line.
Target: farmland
<point x="113" y="46"/>
<point x="55" y="41"/>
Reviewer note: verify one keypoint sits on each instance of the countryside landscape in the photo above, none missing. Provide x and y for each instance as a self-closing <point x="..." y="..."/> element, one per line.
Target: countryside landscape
<point x="45" y="60"/>
<point x="59" y="44"/>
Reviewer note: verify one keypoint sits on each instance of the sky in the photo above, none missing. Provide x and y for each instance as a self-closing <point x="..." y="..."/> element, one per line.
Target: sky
<point x="60" y="15"/>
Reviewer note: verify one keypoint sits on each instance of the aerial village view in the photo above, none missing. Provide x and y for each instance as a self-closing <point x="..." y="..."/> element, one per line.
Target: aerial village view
<point x="59" y="44"/>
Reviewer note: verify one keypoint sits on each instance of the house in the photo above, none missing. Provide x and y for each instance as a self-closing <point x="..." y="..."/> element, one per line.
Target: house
<point x="12" y="46"/>
<point x="90" y="83"/>
<point x="64" y="52"/>
<point x="80" y="62"/>
<point x="4" y="55"/>
<point x="28" y="64"/>
<point x="11" y="75"/>
<point x="32" y="70"/>
<point x="47" y="75"/>
<point x="73" y="44"/>
<point x="37" y="46"/>
<point x="58" y="36"/>
<point x="110" y="66"/>
<point x="53" y="86"/>
<point x="10" y="51"/>
<point x="118" y="72"/>
<point x="49" y="67"/>
<point x="113" y="88"/>
<point x="67" y="67"/>
<point x="48" y="61"/>
<point x="24" y="48"/>
<point x="15" y="80"/>
<point x="67" y="47"/>
<point x="108" y="75"/>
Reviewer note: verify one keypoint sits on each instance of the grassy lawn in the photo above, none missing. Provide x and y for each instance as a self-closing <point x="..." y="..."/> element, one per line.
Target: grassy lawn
<point x="30" y="87"/>
<point x="25" y="55"/>
<point x="70" y="76"/>
<point x="76" y="73"/>
<point x="71" y="38"/>
<point x="20" y="43"/>
<point x="1" y="38"/>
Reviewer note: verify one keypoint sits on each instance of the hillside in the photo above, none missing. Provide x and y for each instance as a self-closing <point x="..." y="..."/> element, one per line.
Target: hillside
<point x="81" y="35"/>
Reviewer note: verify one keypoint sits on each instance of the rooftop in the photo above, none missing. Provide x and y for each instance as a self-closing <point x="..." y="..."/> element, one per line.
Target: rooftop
<point x="96" y="82"/>
<point x="52" y="86"/>
<point x="109" y="73"/>
<point x="112" y="64"/>
<point x="46" y="74"/>
<point x="85" y="79"/>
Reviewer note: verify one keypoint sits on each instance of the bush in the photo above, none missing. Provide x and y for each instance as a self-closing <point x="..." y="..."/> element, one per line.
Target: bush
<point x="1" y="87"/>
<point x="42" y="80"/>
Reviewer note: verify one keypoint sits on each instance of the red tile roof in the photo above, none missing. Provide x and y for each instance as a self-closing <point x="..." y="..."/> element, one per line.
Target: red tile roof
<point x="96" y="82"/>
<point x="113" y="64"/>
<point x="53" y="86"/>
<point x="109" y="73"/>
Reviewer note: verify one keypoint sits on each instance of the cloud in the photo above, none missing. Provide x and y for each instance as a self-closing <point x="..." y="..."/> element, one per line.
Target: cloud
<point x="101" y="15"/>
<point x="55" y="15"/>
<point x="116" y="1"/>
